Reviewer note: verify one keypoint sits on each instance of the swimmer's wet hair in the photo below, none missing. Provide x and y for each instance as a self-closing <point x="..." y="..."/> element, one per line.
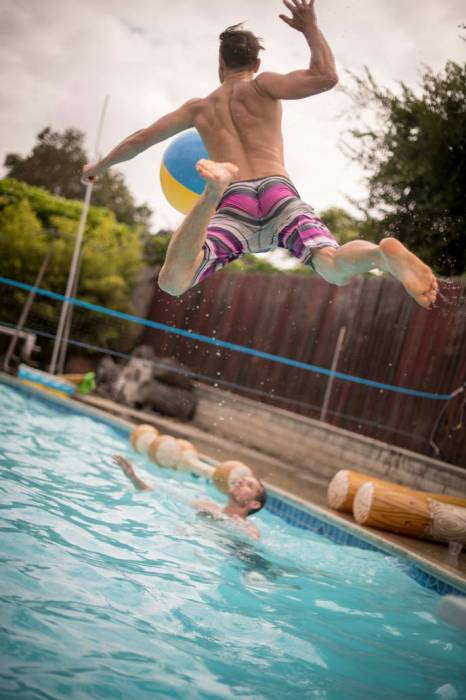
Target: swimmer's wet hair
<point x="261" y="497"/>
<point x="238" y="47"/>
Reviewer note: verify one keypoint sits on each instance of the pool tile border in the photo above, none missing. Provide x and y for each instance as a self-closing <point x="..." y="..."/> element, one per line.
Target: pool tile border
<point x="339" y="535"/>
<point x="302" y="515"/>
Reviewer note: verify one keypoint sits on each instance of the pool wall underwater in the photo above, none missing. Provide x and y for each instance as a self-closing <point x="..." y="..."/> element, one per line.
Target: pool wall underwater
<point x="297" y="513"/>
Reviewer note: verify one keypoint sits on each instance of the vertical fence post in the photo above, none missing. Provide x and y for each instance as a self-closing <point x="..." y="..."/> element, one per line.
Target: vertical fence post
<point x="331" y="379"/>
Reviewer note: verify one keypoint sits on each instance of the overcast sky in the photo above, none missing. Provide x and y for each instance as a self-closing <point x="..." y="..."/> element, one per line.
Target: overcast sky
<point x="58" y="59"/>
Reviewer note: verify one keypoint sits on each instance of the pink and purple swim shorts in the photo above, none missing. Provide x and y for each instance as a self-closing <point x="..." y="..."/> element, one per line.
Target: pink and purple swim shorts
<point x="255" y="216"/>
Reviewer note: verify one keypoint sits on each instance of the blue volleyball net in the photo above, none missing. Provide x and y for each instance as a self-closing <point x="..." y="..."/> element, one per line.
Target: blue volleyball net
<point x="110" y="325"/>
<point x="95" y="331"/>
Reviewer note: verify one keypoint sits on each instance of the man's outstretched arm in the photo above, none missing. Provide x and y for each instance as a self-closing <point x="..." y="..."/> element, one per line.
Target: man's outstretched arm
<point x="165" y="127"/>
<point x="321" y="74"/>
<point x="128" y="470"/>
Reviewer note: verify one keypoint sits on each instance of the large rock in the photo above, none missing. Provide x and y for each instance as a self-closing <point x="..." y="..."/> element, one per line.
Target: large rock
<point x="131" y="379"/>
<point x="148" y="382"/>
<point x="165" y="369"/>
<point x="106" y="376"/>
<point x="169" y="400"/>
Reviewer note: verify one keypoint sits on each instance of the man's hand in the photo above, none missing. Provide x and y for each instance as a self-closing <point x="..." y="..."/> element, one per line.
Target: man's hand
<point x="128" y="469"/>
<point x="90" y="172"/>
<point x="303" y="15"/>
<point x="125" y="465"/>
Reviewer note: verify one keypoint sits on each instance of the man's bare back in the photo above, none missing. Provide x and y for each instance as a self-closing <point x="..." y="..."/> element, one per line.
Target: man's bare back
<point x="241" y="124"/>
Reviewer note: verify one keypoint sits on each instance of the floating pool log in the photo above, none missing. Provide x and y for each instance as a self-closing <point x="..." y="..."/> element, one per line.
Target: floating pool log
<point x="197" y="466"/>
<point x="189" y="456"/>
<point x="165" y="451"/>
<point x="142" y="436"/>
<point x="391" y="509"/>
<point x="447" y="524"/>
<point x="409" y="513"/>
<point x="345" y="484"/>
<point x="227" y="473"/>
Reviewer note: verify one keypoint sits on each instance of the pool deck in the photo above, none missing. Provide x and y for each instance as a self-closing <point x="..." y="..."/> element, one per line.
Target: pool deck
<point x="285" y="478"/>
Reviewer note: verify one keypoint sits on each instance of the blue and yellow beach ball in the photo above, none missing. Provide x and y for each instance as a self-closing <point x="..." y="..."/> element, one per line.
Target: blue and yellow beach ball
<point x="181" y="183"/>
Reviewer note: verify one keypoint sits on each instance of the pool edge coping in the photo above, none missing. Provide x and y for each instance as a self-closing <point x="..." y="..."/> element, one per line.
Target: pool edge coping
<point x="375" y="539"/>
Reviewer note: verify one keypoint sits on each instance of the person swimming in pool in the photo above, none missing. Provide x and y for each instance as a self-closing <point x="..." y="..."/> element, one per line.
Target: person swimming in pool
<point x="249" y="204"/>
<point x="245" y="497"/>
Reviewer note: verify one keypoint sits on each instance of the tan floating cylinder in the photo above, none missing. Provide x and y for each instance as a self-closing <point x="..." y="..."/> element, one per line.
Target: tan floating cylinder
<point x="165" y="451"/>
<point x="227" y="473"/>
<point x="188" y="456"/>
<point x="447" y="524"/>
<point x="392" y="510"/>
<point x="185" y="444"/>
<point x="409" y="513"/>
<point x="196" y="466"/>
<point x="142" y="436"/>
<point x="343" y="488"/>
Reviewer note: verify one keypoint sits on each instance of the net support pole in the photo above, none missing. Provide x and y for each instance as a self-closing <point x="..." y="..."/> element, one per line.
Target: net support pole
<point x="26" y="308"/>
<point x="72" y="281"/>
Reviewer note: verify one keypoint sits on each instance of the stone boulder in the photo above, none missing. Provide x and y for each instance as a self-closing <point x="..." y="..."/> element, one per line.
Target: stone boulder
<point x="148" y="382"/>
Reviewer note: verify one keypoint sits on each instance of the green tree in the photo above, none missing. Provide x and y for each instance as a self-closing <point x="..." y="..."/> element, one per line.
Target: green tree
<point x="56" y="161"/>
<point x="155" y="246"/>
<point x="414" y="154"/>
<point x="341" y="223"/>
<point x="31" y="220"/>
<point x="251" y="263"/>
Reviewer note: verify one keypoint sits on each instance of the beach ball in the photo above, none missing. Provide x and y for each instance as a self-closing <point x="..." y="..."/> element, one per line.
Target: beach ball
<point x="181" y="183"/>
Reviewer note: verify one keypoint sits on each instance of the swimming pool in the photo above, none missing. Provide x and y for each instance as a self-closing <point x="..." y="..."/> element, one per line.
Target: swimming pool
<point x="107" y="593"/>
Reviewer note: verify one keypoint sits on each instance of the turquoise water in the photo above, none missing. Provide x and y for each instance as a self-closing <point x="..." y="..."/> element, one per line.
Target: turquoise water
<point x="108" y="593"/>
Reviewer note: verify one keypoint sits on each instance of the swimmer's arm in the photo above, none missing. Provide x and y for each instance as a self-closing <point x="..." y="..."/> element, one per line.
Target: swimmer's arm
<point x="321" y="74"/>
<point x="253" y="531"/>
<point x="205" y="506"/>
<point x="165" y="127"/>
<point x="128" y="470"/>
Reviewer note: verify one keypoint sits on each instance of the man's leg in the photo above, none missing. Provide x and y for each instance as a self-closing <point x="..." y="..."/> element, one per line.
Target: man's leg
<point x="338" y="266"/>
<point x="184" y="253"/>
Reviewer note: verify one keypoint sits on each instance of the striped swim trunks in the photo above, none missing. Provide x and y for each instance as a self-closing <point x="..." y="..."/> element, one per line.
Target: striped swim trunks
<point x="255" y="216"/>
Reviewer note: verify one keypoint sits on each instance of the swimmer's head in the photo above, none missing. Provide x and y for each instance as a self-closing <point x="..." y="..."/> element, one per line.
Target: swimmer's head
<point x="239" y="50"/>
<point x="248" y="492"/>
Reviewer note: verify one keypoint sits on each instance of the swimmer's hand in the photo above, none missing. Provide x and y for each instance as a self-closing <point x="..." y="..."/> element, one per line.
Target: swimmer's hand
<point x="303" y="15"/>
<point x="128" y="469"/>
<point x="90" y="172"/>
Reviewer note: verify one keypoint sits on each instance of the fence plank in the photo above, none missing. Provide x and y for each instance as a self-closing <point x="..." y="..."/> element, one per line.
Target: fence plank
<point x="388" y="339"/>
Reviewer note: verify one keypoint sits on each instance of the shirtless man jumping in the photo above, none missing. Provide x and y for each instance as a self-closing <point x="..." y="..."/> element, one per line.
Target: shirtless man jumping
<point x="249" y="204"/>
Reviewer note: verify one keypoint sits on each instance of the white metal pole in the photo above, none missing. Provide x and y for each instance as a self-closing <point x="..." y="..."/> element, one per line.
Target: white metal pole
<point x="77" y="250"/>
<point x="27" y="308"/>
<point x="331" y="379"/>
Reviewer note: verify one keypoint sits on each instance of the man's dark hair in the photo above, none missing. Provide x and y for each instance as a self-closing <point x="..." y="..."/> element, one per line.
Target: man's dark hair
<point x="261" y="496"/>
<point x="238" y="47"/>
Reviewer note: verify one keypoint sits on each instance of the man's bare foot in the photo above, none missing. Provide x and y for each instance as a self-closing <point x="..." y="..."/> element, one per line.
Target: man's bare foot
<point x="417" y="278"/>
<point x="217" y="175"/>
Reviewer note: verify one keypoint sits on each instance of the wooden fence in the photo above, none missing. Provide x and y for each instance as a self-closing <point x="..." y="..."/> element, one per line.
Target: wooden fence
<point x="388" y="339"/>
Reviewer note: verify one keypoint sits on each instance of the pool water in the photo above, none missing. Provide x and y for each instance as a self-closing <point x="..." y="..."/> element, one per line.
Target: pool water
<point x="110" y="593"/>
